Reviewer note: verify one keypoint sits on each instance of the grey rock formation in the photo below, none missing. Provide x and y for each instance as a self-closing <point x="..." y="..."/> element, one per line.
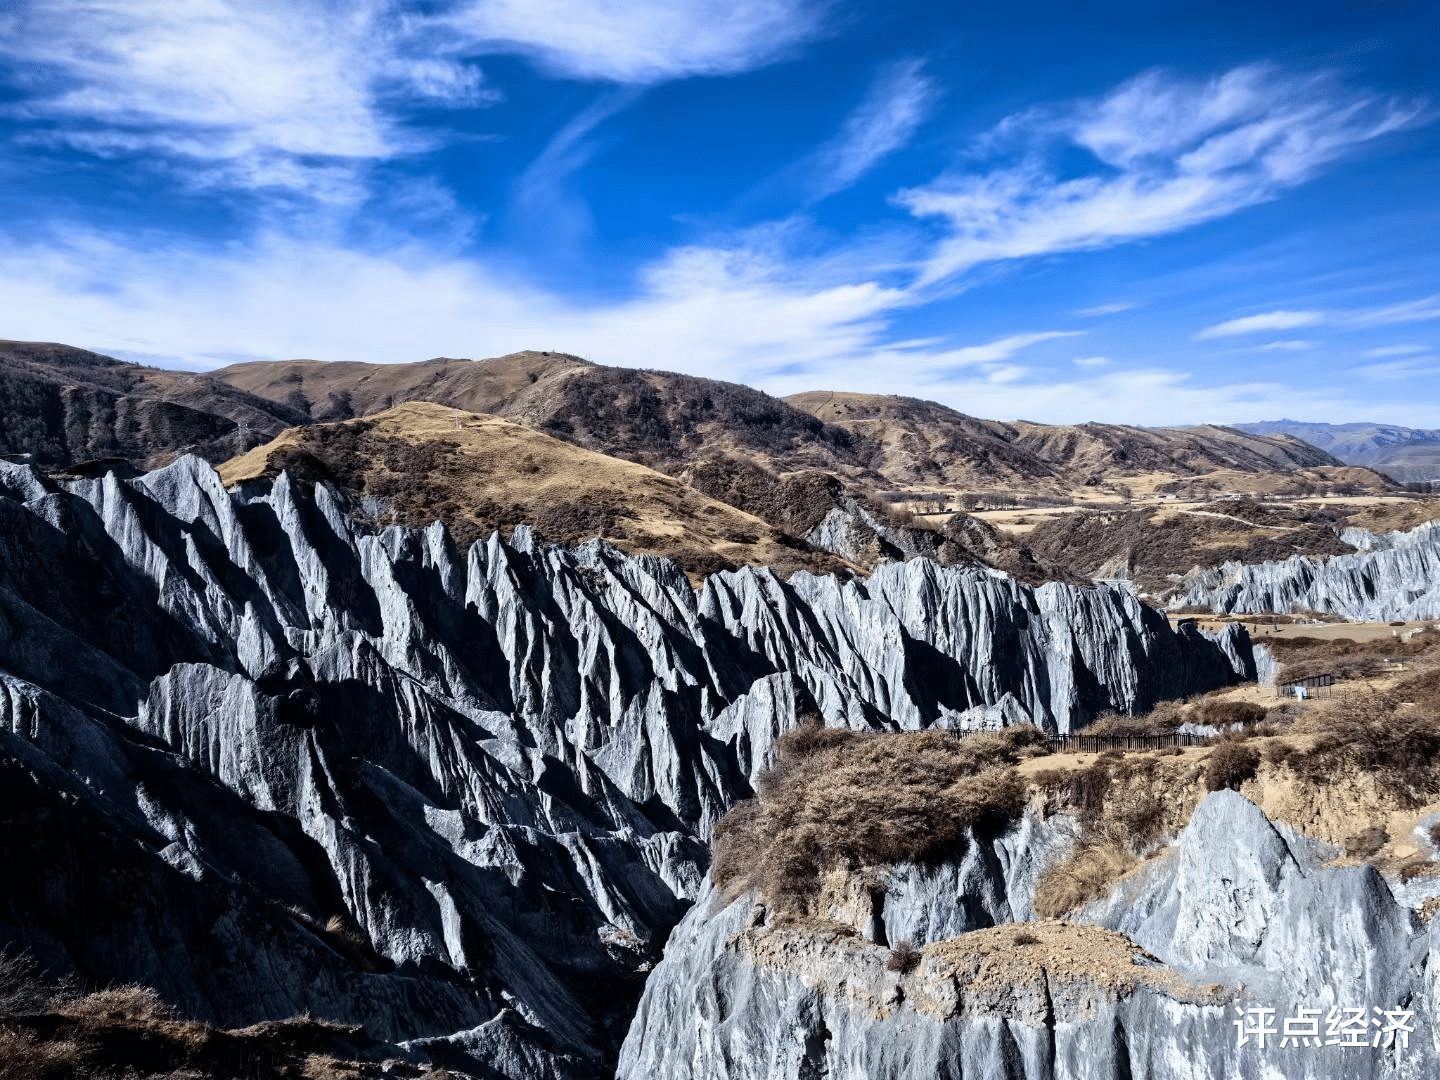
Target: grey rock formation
<point x="1394" y="576"/>
<point x="1244" y="913"/>
<point x="458" y="799"/>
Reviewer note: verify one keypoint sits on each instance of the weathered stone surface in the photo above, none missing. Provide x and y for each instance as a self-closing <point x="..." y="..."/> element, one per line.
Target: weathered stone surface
<point x="1394" y="576"/>
<point x="1242" y="912"/>
<point x="459" y="799"/>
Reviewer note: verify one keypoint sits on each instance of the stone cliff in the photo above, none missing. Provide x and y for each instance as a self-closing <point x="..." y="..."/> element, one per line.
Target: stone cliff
<point x="1393" y="576"/>
<point x="1239" y="913"/>
<point x="268" y="762"/>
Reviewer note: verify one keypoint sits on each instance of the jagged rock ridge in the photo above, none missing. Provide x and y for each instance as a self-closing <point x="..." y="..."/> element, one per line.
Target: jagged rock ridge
<point x="1242" y="913"/>
<point x="301" y="767"/>
<point x="1393" y="576"/>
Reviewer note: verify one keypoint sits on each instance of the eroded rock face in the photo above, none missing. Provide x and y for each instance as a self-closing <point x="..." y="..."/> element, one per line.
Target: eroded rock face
<point x="460" y="800"/>
<point x="1240" y="913"/>
<point x="1394" y="576"/>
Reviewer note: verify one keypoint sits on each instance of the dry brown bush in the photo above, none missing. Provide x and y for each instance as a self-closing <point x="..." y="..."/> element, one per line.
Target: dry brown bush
<point x="904" y="957"/>
<point x="1278" y="753"/>
<point x="1084" y="875"/>
<point x="1225" y="713"/>
<point x="1230" y="764"/>
<point x="1379" y="734"/>
<point x="121" y="1003"/>
<point x="1421" y="867"/>
<point x="1366" y="842"/>
<point x="24" y="1057"/>
<point x="23" y="987"/>
<point x="1422" y="688"/>
<point x="1164" y="719"/>
<point x="1024" y="937"/>
<point x="1343" y="657"/>
<point x="849" y="799"/>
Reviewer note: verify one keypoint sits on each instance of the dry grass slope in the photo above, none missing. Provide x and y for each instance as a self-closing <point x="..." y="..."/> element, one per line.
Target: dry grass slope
<point x="490" y="474"/>
<point x="48" y="1031"/>
<point x="845" y="799"/>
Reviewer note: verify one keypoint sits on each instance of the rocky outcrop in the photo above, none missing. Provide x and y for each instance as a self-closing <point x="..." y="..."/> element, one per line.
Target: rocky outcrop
<point x="1241" y="913"/>
<point x="461" y="799"/>
<point x="1393" y="576"/>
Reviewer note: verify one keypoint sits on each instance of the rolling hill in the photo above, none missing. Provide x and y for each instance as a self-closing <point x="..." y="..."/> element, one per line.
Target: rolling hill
<point x="917" y="444"/>
<point x="669" y="421"/>
<point x="419" y="462"/>
<point x="60" y="406"/>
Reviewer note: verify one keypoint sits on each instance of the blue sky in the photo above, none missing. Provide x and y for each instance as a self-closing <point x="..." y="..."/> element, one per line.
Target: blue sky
<point x="1133" y="213"/>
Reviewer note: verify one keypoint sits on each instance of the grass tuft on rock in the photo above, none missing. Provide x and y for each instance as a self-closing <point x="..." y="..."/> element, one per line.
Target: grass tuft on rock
<point x="849" y="799"/>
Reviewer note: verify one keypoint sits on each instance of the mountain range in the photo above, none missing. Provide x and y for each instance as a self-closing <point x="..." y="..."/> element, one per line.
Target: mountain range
<point x="1405" y="454"/>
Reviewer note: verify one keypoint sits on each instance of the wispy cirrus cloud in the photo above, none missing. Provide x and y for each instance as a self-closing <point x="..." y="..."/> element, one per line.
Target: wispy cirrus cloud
<point x="247" y="95"/>
<point x="1425" y="309"/>
<point x="1101" y="310"/>
<point x="301" y="96"/>
<point x="1288" y="345"/>
<point x="1262" y="323"/>
<point x="1395" y="350"/>
<point x="898" y="101"/>
<point x="1000" y="349"/>
<point x="1397" y="370"/>
<point x="638" y="42"/>
<point x="554" y="214"/>
<point x="1169" y="153"/>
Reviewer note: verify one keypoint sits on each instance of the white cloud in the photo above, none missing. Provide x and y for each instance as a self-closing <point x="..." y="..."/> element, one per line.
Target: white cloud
<point x="1288" y="345"/>
<point x="1000" y="349"/>
<point x="896" y="105"/>
<point x="251" y="95"/>
<point x="1423" y="310"/>
<point x="1176" y="152"/>
<point x="1396" y="370"/>
<point x="553" y="214"/>
<point x="1106" y="309"/>
<point x="1091" y="361"/>
<point x="1395" y="350"/>
<point x="1007" y="373"/>
<point x="1259" y="324"/>
<point x="638" y="41"/>
<point x="729" y="314"/>
<point x="301" y="96"/>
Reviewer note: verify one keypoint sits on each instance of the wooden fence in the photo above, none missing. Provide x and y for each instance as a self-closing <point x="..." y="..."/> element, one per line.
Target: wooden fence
<point x="1081" y="743"/>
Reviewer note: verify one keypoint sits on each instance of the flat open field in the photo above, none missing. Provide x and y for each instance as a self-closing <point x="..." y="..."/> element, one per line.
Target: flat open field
<point x="1261" y="628"/>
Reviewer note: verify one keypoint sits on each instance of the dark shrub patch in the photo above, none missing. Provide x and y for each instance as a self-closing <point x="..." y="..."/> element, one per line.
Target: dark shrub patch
<point x="847" y="799"/>
<point x="904" y="958"/>
<point x="1230" y="764"/>
<point x="1366" y="842"/>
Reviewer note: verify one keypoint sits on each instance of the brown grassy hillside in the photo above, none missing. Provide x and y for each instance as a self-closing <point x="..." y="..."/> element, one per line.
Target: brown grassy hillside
<point x="1149" y="545"/>
<point x="60" y="405"/>
<point x="660" y="419"/>
<point x="922" y="444"/>
<point x="492" y="474"/>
